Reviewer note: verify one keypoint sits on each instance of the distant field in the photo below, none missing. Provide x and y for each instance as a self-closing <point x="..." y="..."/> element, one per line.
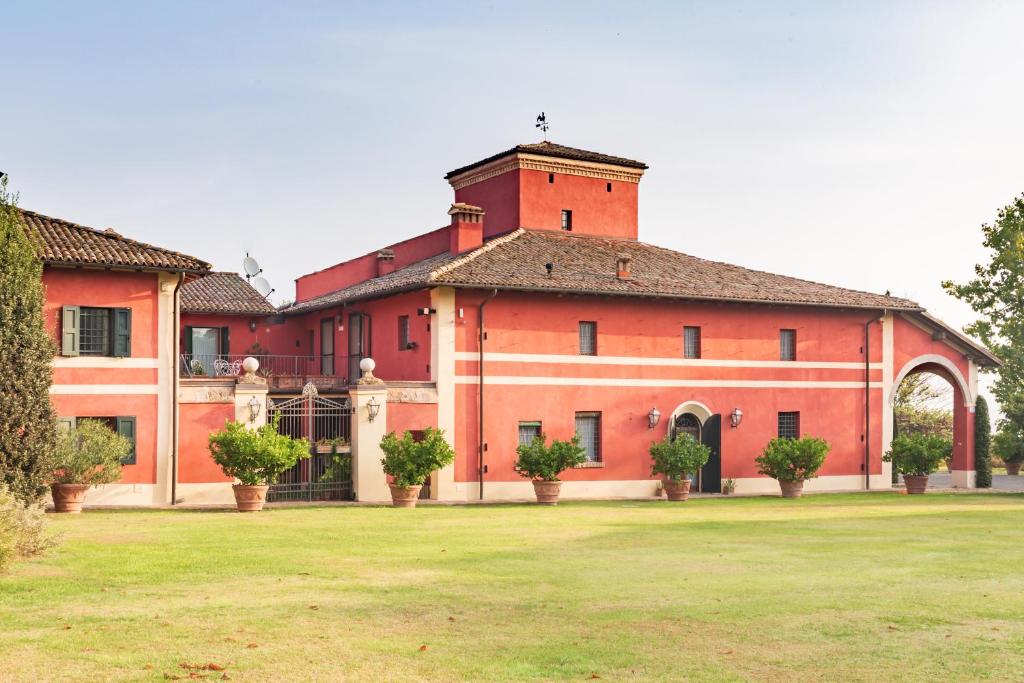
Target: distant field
<point x="829" y="587"/>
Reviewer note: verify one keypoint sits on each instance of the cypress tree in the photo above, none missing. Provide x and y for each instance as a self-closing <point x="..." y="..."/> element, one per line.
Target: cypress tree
<point x="982" y="439"/>
<point x="27" y="426"/>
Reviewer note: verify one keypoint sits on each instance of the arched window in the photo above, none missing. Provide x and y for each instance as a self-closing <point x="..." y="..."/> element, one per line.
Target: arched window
<point x="687" y="423"/>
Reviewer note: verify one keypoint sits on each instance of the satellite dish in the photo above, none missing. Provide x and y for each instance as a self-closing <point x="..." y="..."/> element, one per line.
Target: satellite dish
<point x="250" y="266"/>
<point x="261" y="285"/>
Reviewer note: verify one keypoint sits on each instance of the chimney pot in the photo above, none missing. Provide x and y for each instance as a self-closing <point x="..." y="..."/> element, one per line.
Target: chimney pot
<point x="385" y="262"/>
<point x="624" y="267"/>
<point x="467" y="229"/>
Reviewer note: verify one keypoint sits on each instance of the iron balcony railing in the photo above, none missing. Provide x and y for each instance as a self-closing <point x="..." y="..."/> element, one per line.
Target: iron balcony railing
<point x="278" y="370"/>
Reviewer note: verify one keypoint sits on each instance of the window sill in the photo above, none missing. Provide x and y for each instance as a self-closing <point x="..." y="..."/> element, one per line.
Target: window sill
<point x="588" y="465"/>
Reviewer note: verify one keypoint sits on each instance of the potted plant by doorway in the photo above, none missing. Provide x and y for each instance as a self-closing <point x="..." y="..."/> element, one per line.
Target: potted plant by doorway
<point x="88" y="455"/>
<point x="256" y="458"/>
<point x="792" y="462"/>
<point x="676" y="460"/>
<point x="409" y="462"/>
<point x="542" y="464"/>
<point x="1008" y="444"/>
<point x="916" y="456"/>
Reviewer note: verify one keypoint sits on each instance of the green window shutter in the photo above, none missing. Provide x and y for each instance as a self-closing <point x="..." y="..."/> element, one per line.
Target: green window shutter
<point x="65" y="424"/>
<point x="188" y="339"/>
<point x="126" y="428"/>
<point x="122" y="332"/>
<point x="69" y="331"/>
<point x="225" y="342"/>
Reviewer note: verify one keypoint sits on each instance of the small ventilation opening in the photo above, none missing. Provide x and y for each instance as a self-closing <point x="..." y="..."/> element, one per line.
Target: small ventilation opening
<point x="567" y="220"/>
<point x="551" y="178"/>
<point x="608" y="187"/>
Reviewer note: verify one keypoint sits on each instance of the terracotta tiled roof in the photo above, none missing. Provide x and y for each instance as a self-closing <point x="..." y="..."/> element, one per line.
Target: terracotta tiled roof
<point x="551" y="149"/>
<point x="587" y="265"/>
<point x="223" y="293"/>
<point x="65" y="243"/>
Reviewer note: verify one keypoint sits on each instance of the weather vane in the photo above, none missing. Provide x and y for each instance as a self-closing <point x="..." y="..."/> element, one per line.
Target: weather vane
<point x="542" y="123"/>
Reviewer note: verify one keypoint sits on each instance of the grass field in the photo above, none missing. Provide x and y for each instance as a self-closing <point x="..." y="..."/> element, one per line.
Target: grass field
<point x="843" y="587"/>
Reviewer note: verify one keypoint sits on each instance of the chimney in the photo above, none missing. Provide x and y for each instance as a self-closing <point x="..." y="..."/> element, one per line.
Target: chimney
<point x="623" y="267"/>
<point x="385" y="262"/>
<point x="467" y="229"/>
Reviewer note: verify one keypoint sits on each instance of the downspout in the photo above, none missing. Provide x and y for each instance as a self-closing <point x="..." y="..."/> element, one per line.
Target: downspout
<point x="176" y="361"/>
<point x="867" y="399"/>
<point x="480" y="364"/>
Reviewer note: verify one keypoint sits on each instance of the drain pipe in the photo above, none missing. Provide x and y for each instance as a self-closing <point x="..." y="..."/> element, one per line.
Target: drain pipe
<point x="176" y="360"/>
<point x="480" y="363"/>
<point x="867" y="399"/>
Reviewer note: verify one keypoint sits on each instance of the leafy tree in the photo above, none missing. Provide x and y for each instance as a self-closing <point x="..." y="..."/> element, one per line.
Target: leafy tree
<point x="678" y="458"/>
<point x="918" y="454"/>
<point x="921" y="406"/>
<point x="256" y="457"/>
<point x="792" y="459"/>
<point x="982" y="441"/>
<point x="540" y="461"/>
<point x="996" y="293"/>
<point x="91" y="453"/>
<point x="410" y="462"/>
<point x="27" y="429"/>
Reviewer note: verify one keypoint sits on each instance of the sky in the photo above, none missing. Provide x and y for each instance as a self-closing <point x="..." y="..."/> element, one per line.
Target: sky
<point x="854" y="143"/>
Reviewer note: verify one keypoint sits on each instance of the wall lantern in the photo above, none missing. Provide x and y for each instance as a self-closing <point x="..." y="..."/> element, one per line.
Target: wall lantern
<point x="252" y="325"/>
<point x="372" y="408"/>
<point x="653" y="418"/>
<point x="254" y="409"/>
<point x="735" y="417"/>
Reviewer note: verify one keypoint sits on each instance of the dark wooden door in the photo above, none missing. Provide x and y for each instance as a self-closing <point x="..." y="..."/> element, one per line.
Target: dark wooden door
<point x="711" y="473"/>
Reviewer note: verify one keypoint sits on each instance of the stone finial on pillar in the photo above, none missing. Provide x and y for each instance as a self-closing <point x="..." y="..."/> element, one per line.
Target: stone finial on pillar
<point x="369" y="424"/>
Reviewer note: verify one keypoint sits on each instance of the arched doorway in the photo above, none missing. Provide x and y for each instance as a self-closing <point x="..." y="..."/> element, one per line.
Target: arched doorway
<point x="950" y="393"/>
<point x="696" y="420"/>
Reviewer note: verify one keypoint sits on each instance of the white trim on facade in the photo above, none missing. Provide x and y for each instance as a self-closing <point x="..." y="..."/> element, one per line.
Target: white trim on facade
<point x="645" y="382"/>
<point x="442" y="371"/>
<point x="105" y="362"/>
<point x="499" y="357"/>
<point x="104" y="389"/>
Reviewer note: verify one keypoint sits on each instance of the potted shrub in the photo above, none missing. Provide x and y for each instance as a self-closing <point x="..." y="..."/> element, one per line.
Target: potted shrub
<point x="728" y="487"/>
<point x="409" y="462"/>
<point x="1008" y="444"/>
<point x="792" y="462"/>
<point x="916" y="456"/>
<point x="256" y="458"/>
<point x="542" y="464"/>
<point x="677" y="459"/>
<point x="334" y="445"/>
<point x="89" y="455"/>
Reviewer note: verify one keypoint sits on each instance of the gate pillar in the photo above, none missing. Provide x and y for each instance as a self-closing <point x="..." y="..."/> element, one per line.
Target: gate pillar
<point x="251" y="396"/>
<point x="369" y="423"/>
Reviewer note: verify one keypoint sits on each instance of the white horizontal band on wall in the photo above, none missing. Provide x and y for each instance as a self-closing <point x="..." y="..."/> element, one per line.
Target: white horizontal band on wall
<point x="621" y="382"/>
<point x="104" y="389"/>
<point x="497" y="357"/>
<point x="104" y="362"/>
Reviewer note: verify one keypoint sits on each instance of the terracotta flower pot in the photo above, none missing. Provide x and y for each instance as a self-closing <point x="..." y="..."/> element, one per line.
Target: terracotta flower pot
<point x="677" y="490"/>
<point x="68" y="497"/>
<point x="405" y="496"/>
<point x="250" y="498"/>
<point x="547" y="491"/>
<point x="791" y="489"/>
<point x="916" y="483"/>
<point x="1013" y="468"/>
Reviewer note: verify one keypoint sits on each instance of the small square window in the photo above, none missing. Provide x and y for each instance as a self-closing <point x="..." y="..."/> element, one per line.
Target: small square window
<point x="787" y="344"/>
<point x="567" y="220"/>
<point x="789" y="425"/>
<point x="588" y="338"/>
<point x="588" y="429"/>
<point x="551" y="178"/>
<point x="95" y="332"/>
<point x="528" y="431"/>
<point x="691" y="342"/>
<point x="608" y="187"/>
<point x="403" y="332"/>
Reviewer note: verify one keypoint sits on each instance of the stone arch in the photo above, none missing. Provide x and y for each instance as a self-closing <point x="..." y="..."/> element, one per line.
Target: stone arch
<point x="952" y="373"/>
<point x="695" y="407"/>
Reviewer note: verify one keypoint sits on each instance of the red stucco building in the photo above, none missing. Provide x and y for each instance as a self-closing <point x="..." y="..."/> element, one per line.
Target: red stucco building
<point x="535" y="308"/>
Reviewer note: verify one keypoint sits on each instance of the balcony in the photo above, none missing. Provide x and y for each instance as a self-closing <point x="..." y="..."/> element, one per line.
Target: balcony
<point x="285" y="374"/>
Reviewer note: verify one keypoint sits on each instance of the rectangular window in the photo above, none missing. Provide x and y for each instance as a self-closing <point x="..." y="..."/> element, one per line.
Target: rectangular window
<point x="327" y="346"/>
<point x="588" y="338"/>
<point x="528" y="431"/>
<point x="567" y="220"/>
<point x="787" y="344"/>
<point x="92" y="331"/>
<point x="123" y="425"/>
<point x="588" y="428"/>
<point x="403" y="332"/>
<point x="691" y="342"/>
<point x="789" y="425"/>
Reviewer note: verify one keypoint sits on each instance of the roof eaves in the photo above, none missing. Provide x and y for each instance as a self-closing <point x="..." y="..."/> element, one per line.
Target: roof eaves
<point x="993" y="359"/>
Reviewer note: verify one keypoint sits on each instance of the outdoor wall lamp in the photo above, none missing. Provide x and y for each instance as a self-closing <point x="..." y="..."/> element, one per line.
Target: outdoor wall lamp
<point x="252" y="325"/>
<point x="254" y="409"/>
<point x="653" y="418"/>
<point x="372" y="408"/>
<point x="735" y="417"/>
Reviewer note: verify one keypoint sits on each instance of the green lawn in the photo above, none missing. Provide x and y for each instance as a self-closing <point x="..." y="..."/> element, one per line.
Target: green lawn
<point x="850" y="587"/>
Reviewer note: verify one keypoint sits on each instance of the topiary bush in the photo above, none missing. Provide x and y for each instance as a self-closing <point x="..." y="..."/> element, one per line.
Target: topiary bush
<point x="410" y="462"/>
<point x="540" y="461"/>
<point x="678" y="458"/>
<point x="256" y="457"/>
<point x="91" y="453"/>
<point x="22" y="528"/>
<point x="918" y="454"/>
<point x="793" y="459"/>
<point x="982" y="442"/>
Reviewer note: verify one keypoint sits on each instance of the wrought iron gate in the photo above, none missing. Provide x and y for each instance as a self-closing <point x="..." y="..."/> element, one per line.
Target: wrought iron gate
<point x="326" y="422"/>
